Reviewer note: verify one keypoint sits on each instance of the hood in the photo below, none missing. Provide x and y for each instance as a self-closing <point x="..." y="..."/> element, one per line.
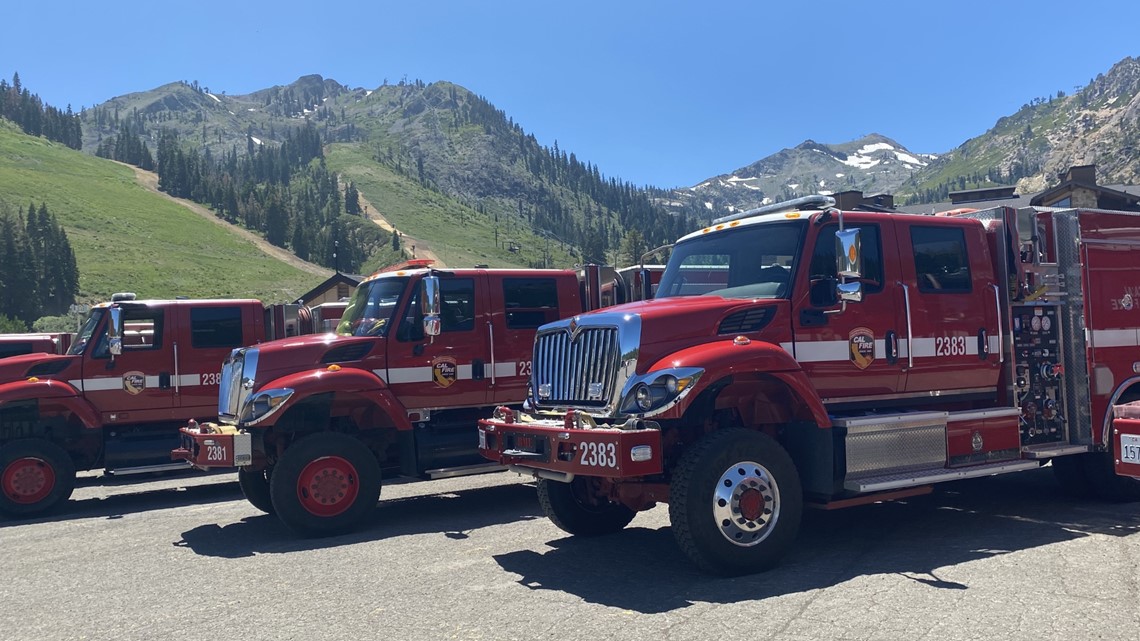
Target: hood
<point x="672" y="324"/>
<point x="298" y="353"/>
<point x="16" y="368"/>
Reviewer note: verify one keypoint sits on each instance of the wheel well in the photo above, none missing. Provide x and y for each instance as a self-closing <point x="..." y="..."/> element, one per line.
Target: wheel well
<point x="330" y="412"/>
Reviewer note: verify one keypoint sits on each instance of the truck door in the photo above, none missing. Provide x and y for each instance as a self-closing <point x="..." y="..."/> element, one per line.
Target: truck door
<point x="453" y="369"/>
<point x="520" y="304"/>
<point x="949" y="300"/>
<point x="851" y="355"/>
<point x="137" y="385"/>
<point x="214" y="330"/>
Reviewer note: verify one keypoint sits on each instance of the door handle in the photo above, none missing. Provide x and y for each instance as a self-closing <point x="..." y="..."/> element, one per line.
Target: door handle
<point x="164" y="380"/>
<point x="891" y="346"/>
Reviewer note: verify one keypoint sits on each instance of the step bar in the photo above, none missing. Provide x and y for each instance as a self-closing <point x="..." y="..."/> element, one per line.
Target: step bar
<point x="464" y="470"/>
<point x="147" y="469"/>
<point x="924" y="477"/>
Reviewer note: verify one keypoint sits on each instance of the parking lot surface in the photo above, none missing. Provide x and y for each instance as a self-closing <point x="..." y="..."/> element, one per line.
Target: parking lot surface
<point x="472" y="558"/>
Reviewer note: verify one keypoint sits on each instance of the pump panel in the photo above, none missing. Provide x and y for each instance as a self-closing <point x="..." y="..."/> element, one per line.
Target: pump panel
<point x="1039" y="372"/>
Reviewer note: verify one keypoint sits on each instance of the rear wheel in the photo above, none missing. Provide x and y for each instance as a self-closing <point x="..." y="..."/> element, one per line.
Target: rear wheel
<point x="1071" y="474"/>
<point x="735" y="502"/>
<point x="35" y="476"/>
<point x="325" y="484"/>
<point x="255" y="486"/>
<point x="576" y="509"/>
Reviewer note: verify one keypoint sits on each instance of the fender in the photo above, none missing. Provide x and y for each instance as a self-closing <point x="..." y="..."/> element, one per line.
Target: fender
<point x="726" y="358"/>
<point x="339" y="380"/>
<point x="60" y="393"/>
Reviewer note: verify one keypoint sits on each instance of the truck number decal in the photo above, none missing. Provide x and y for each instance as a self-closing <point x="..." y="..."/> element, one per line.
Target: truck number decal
<point x="598" y="454"/>
<point x="215" y="453"/>
<point x="212" y="378"/>
<point x="950" y="346"/>
<point x="524" y="368"/>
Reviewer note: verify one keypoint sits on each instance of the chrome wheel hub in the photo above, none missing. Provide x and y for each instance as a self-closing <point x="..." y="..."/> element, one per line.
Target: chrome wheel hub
<point x="746" y="503"/>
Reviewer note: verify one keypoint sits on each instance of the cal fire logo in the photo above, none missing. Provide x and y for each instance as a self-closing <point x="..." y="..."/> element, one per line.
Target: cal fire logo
<point x="862" y="345"/>
<point x="443" y="370"/>
<point x="134" y="382"/>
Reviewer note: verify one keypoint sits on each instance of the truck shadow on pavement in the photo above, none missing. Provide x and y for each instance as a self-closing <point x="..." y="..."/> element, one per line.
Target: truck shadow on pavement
<point x="921" y="539"/>
<point x="453" y="514"/>
<point x="143" y="499"/>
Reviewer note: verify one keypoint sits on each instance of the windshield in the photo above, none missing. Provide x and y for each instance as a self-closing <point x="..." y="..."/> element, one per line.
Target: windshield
<point x="84" y="335"/>
<point x="755" y="261"/>
<point x="369" y="312"/>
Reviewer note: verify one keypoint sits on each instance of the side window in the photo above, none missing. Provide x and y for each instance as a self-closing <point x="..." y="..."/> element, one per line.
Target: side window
<point x="142" y="331"/>
<point x="215" y="327"/>
<point x="940" y="260"/>
<point x="530" y="302"/>
<point x="14" y="349"/>
<point x="823" y="262"/>
<point x="457" y="304"/>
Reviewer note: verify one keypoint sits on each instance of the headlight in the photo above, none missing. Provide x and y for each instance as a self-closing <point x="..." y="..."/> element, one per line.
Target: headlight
<point x="264" y="404"/>
<point x="659" y="390"/>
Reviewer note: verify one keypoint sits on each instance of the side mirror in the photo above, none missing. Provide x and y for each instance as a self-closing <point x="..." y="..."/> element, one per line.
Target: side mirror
<point x="848" y="253"/>
<point x="115" y="332"/>
<point x="645" y="276"/>
<point x="429" y="305"/>
<point x="849" y="292"/>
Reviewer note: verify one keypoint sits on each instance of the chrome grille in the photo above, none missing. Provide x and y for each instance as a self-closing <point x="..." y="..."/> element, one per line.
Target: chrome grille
<point x="579" y="369"/>
<point x="232" y="394"/>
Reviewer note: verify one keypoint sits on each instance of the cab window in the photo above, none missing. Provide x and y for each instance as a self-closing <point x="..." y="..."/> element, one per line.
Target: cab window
<point x="530" y="302"/>
<point x="142" y="331"/>
<point x="940" y="260"/>
<point x="456" y="310"/>
<point x="215" y="327"/>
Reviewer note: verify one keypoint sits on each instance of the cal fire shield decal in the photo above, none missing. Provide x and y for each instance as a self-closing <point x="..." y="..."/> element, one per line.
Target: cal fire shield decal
<point x="443" y="370"/>
<point x="134" y="382"/>
<point x="862" y="345"/>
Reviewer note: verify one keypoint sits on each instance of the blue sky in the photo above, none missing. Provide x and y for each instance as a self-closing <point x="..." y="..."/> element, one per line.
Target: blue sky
<point x="661" y="93"/>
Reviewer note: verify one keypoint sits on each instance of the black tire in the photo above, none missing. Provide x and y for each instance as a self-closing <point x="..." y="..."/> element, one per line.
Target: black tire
<point x="255" y="487"/>
<point x="36" y="476"/>
<point x="1071" y="474"/>
<point x="575" y="509"/>
<point x="325" y="484"/>
<point x="735" y="502"/>
<point x="1101" y="470"/>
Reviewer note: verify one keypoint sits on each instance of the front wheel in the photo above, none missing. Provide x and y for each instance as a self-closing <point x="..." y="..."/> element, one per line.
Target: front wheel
<point x="735" y="502"/>
<point x="35" y="476"/>
<point x="254" y="486"/>
<point x="576" y="509"/>
<point x="325" y="484"/>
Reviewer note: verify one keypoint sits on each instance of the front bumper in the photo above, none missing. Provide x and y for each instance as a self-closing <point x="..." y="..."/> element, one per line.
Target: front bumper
<point x="1126" y="434"/>
<point x="211" y="445"/>
<point x="569" y="446"/>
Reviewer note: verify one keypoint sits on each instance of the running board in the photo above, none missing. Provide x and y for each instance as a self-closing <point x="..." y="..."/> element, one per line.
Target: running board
<point x="464" y="470"/>
<point x="146" y="469"/>
<point x="923" y="477"/>
<point x="1051" y="450"/>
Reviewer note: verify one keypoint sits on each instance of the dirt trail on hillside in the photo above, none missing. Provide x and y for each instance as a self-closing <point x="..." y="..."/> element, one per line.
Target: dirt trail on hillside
<point x="422" y="249"/>
<point x="149" y="180"/>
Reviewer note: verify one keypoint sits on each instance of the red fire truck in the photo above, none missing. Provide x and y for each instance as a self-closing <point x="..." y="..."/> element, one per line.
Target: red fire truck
<point x="136" y="372"/>
<point x="799" y="355"/>
<point x="419" y="356"/>
<point x="45" y="342"/>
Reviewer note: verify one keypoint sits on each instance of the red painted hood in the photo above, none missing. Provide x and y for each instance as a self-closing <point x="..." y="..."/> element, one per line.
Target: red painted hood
<point x="671" y="324"/>
<point x="55" y="366"/>
<point x="300" y="353"/>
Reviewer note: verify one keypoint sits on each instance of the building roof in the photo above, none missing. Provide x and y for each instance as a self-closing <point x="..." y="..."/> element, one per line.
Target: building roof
<point x="352" y="280"/>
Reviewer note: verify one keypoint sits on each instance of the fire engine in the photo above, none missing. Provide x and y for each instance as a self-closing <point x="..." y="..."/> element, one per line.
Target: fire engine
<point x="32" y="343"/>
<point x="136" y="371"/>
<point x="800" y="355"/>
<point x="314" y="423"/>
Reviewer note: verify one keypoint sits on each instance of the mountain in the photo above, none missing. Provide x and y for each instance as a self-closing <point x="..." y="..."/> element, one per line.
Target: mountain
<point x="872" y="164"/>
<point x="129" y="238"/>
<point x="475" y="183"/>
<point x="1099" y="124"/>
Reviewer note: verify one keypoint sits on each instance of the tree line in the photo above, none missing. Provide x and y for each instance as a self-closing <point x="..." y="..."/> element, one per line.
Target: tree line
<point x="37" y="119"/>
<point x="38" y="272"/>
<point x="285" y="192"/>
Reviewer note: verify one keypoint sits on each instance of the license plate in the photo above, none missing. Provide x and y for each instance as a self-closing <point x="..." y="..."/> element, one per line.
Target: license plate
<point x="482" y="440"/>
<point x="1130" y="448"/>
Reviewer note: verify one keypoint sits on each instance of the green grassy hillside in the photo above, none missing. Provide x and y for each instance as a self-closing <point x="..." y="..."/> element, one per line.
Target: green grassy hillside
<point x="460" y="235"/>
<point x="129" y="239"/>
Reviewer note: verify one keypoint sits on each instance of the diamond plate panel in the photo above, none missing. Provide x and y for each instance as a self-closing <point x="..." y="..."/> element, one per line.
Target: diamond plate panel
<point x="893" y="449"/>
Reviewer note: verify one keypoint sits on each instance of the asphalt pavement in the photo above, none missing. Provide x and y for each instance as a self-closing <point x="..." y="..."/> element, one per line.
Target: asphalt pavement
<point x="187" y="558"/>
